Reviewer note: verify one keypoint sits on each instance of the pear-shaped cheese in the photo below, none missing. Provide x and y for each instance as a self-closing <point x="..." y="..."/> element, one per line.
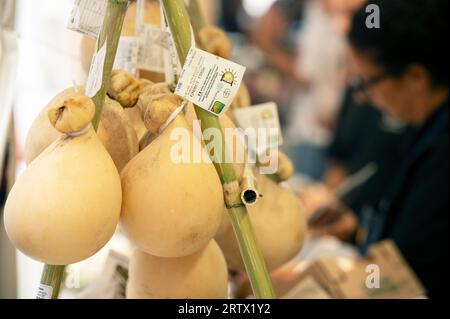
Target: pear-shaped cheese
<point x="236" y="149"/>
<point x="279" y="226"/>
<point x="203" y="275"/>
<point x="66" y="205"/>
<point x="115" y="131"/>
<point x="171" y="208"/>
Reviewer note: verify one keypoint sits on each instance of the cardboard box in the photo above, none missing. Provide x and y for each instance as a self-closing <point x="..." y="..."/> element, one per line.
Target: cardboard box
<point x="384" y="274"/>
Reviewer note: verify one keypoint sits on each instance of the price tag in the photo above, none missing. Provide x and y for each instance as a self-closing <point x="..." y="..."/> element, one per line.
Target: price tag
<point x="127" y="55"/>
<point x="152" y="41"/>
<point x="87" y="17"/>
<point x="94" y="81"/>
<point x="172" y="66"/>
<point x="209" y="81"/>
<point x="264" y="121"/>
<point x="44" y="292"/>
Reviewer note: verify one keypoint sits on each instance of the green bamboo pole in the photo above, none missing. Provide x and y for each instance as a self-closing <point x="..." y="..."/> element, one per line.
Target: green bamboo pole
<point x="111" y="30"/>
<point x="52" y="275"/>
<point x="180" y="26"/>
<point x="198" y="22"/>
<point x="195" y="13"/>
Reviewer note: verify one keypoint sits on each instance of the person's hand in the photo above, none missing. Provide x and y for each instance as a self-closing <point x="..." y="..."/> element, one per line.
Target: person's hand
<point x="315" y="197"/>
<point x="335" y="175"/>
<point x="326" y="215"/>
<point x="344" y="227"/>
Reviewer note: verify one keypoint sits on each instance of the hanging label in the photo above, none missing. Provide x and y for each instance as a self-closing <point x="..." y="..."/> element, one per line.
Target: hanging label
<point x="209" y="81"/>
<point x="95" y="78"/>
<point x="264" y="121"/>
<point x="87" y="17"/>
<point x="162" y="38"/>
<point x="127" y="55"/>
<point x="44" y="292"/>
<point x="172" y="66"/>
<point x="152" y="40"/>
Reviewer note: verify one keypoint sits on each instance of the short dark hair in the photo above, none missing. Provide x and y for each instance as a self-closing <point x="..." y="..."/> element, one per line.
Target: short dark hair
<point x="411" y="31"/>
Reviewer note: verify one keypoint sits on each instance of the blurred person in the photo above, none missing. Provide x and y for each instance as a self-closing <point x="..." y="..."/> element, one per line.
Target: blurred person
<point x="321" y="63"/>
<point x="364" y="137"/>
<point x="403" y="71"/>
<point x="267" y="45"/>
<point x="287" y="17"/>
<point x="272" y="33"/>
<point x="230" y="10"/>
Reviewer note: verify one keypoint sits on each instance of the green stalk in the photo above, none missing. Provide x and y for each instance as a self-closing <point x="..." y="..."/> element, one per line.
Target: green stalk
<point x="251" y="254"/>
<point x="198" y="22"/>
<point x="52" y="276"/>
<point x="195" y="13"/>
<point x="112" y="27"/>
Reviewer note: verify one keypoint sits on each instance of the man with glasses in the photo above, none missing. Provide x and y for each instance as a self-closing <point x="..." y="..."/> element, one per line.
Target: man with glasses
<point x="402" y="69"/>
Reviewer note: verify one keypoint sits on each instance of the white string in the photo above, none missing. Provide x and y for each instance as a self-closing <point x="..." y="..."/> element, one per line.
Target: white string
<point x="173" y="116"/>
<point x="80" y="132"/>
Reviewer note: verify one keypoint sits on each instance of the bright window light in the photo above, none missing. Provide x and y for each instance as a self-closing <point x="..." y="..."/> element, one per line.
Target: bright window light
<point x="257" y="8"/>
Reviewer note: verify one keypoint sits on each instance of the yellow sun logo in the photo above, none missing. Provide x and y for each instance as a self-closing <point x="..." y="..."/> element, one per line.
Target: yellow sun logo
<point x="229" y="77"/>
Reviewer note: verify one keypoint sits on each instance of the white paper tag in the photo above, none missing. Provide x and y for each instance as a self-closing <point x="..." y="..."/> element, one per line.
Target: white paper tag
<point x="172" y="65"/>
<point x="127" y="55"/>
<point x="163" y="38"/>
<point x="87" y="17"/>
<point x="264" y="120"/>
<point x="95" y="79"/>
<point x="152" y="40"/>
<point x="209" y="81"/>
<point x="44" y="292"/>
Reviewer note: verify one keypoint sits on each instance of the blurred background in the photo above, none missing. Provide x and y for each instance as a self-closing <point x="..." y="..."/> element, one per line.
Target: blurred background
<point x="296" y="54"/>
